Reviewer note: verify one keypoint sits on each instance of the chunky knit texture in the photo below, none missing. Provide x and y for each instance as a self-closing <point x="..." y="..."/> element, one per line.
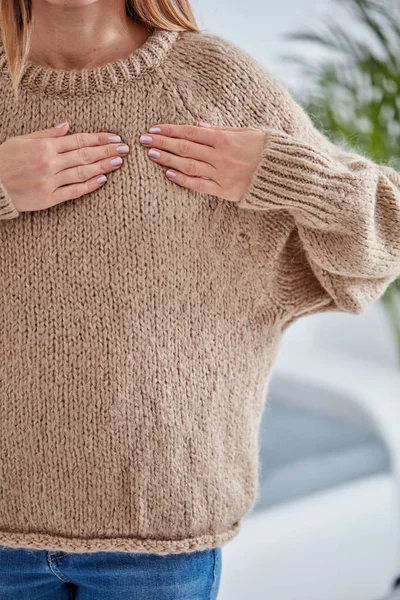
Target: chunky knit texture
<point x="139" y="324"/>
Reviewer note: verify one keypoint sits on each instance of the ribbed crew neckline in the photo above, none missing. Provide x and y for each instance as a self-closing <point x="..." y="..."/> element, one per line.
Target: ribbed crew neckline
<point x="84" y="82"/>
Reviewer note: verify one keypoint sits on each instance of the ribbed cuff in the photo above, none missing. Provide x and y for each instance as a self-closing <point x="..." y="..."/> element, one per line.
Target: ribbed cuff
<point x="294" y="175"/>
<point x="7" y="209"/>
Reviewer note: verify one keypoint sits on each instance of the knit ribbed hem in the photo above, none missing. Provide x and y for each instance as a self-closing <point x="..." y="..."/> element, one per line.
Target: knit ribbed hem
<point x="7" y="209"/>
<point x="45" y="541"/>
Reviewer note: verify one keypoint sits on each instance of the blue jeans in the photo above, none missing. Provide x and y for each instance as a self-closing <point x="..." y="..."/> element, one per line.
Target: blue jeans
<point x="31" y="574"/>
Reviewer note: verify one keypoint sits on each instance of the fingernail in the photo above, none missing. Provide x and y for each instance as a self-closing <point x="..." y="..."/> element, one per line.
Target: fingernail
<point x="115" y="138"/>
<point x="101" y="179"/>
<point x="204" y="124"/>
<point x="154" y="130"/>
<point x="146" y="139"/>
<point x="171" y="174"/>
<point x="116" y="161"/>
<point x="59" y="125"/>
<point x="154" y="153"/>
<point x="123" y="149"/>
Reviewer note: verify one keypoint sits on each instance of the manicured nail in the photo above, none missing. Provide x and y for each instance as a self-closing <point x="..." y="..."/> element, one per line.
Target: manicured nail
<point x="116" y="161"/>
<point x="115" y="138"/>
<point x="204" y="124"/>
<point x="122" y="149"/>
<point x="101" y="179"/>
<point x="154" y="130"/>
<point x="146" y="139"/>
<point x="154" y="153"/>
<point x="59" y="125"/>
<point x="171" y="174"/>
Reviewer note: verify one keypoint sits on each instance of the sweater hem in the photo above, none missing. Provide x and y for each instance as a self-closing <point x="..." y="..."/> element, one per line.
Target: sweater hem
<point x="46" y="541"/>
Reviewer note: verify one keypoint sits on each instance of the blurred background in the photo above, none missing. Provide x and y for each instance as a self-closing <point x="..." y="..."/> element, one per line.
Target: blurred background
<point x="326" y="523"/>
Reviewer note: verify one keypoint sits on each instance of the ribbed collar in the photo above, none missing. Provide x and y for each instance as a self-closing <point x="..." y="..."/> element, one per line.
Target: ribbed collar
<point x="85" y="82"/>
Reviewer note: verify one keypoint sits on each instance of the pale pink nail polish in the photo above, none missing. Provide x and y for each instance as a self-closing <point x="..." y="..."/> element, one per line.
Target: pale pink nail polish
<point x="204" y="124"/>
<point x="146" y="139"/>
<point x="124" y="149"/>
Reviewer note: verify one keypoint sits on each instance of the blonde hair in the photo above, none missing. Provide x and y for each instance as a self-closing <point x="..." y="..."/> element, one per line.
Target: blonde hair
<point x="15" y="29"/>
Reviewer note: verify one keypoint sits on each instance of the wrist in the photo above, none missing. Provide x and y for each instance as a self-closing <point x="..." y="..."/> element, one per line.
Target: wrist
<point x="7" y="208"/>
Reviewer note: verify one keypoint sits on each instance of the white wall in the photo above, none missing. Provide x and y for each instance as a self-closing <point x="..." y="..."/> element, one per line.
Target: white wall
<point x="258" y="26"/>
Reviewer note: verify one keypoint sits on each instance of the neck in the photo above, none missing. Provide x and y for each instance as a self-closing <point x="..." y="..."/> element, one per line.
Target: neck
<point x="77" y="35"/>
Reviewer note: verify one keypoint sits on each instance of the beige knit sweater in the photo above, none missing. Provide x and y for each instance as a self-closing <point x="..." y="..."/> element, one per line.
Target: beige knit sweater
<point x="139" y="324"/>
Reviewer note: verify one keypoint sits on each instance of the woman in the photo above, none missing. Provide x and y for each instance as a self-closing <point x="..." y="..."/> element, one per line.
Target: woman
<point x="154" y="246"/>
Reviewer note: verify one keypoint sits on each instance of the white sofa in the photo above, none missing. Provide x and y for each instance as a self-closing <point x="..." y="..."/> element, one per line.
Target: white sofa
<point x="341" y="542"/>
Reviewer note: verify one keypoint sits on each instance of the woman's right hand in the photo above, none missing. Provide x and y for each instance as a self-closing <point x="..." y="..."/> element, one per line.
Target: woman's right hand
<point x="44" y="168"/>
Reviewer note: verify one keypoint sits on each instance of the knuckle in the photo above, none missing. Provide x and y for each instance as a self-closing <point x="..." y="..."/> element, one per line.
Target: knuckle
<point x="99" y="139"/>
<point x="90" y="186"/>
<point x="75" y="191"/>
<point x="184" y="147"/>
<point x="44" y="155"/>
<point x="42" y="183"/>
<point x="191" y="168"/>
<point x="43" y="163"/>
<point x="80" y="173"/>
<point x="80" y="189"/>
<point x="80" y="139"/>
<point x="109" y="151"/>
<point x="84" y="154"/>
<point x="72" y="191"/>
<point x="51" y="163"/>
<point x="44" y="145"/>
<point x="161" y="142"/>
<point x="188" y="132"/>
<point x="194" y="133"/>
<point x="105" y="166"/>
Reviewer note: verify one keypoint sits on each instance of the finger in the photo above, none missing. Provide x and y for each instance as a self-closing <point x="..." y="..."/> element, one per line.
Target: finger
<point x="81" y="140"/>
<point x="201" y="135"/>
<point x="53" y="132"/>
<point x="88" y="155"/>
<point x="189" y="166"/>
<point x="197" y="184"/>
<point x="180" y="147"/>
<point x="76" y="190"/>
<point x="84" y="172"/>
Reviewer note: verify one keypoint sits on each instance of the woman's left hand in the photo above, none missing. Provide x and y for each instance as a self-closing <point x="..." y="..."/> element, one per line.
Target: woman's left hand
<point x="213" y="160"/>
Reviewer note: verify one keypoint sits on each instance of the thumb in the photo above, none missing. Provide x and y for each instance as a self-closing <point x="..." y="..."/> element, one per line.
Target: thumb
<point x="56" y="131"/>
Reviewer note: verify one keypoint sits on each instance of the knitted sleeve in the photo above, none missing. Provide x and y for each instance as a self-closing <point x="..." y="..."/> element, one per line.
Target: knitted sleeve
<point x="7" y="209"/>
<point x="346" y="208"/>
